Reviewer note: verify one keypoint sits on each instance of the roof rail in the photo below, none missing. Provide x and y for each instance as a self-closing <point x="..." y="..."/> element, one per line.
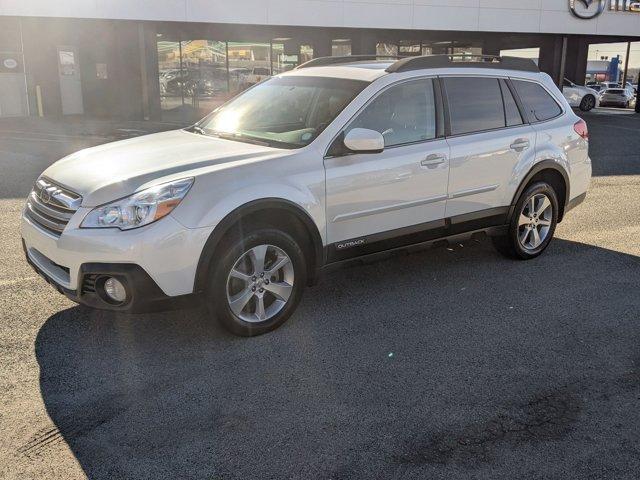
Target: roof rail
<point x="327" y="61"/>
<point x="463" y="60"/>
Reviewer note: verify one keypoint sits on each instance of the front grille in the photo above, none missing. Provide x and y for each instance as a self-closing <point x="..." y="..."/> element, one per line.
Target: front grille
<point x="51" y="206"/>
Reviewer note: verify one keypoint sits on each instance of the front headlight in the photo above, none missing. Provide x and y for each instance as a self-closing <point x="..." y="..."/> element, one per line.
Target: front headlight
<point x="141" y="208"/>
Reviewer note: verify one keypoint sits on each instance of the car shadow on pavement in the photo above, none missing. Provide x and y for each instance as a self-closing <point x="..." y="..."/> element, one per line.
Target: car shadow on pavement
<point x="435" y="362"/>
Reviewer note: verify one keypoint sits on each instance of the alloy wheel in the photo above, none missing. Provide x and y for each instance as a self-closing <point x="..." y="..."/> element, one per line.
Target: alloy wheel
<point x="260" y="283"/>
<point x="590" y="103"/>
<point x="535" y="221"/>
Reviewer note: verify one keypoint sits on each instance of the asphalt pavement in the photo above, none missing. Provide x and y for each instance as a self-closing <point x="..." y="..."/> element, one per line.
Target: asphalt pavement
<point x="450" y="363"/>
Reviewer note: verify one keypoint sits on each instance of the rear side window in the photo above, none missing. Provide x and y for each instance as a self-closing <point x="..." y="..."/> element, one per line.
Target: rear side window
<point x="405" y="113"/>
<point x="475" y="104"/>
<point x="511" y="113"/>
<point x="538" y="103"/>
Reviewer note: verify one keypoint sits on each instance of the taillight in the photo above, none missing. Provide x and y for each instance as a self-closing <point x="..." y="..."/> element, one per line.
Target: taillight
<point x="581" y="129"/>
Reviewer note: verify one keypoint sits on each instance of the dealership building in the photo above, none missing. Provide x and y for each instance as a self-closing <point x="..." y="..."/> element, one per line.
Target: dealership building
<point x="175" y="59"/>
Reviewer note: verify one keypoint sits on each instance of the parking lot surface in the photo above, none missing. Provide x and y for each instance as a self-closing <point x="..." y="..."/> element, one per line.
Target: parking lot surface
<point x="450" y="363"/>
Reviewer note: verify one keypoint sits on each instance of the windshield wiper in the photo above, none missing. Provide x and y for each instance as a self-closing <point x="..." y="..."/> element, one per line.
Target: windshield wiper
<point x="196" y="129"/>
<point x="242" y="138"/>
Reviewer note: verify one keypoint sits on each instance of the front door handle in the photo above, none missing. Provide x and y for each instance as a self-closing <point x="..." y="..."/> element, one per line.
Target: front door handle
<point x="433" y="160"/>
<point x="520" y="144"/>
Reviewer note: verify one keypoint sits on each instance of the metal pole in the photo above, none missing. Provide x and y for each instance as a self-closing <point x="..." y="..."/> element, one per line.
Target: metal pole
<point x="226" y="62"/>
<point x="563" y="60"/>
<point x="626" y="65"/>
<point x="39" y="101"/>
<point x="24" y="69"/>
<point x="638" y="95"/>
<point x="181" y="83"/>
<point x="142" y="44"/>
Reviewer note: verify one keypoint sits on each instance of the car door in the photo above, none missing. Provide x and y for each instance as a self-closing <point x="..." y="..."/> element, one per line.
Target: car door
<point x="381" y="200"/>
<point x="490" y="143"/>
<point x="572" y="93"/>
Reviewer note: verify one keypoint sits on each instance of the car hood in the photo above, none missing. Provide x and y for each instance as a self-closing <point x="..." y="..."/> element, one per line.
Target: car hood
<point x="587" y="90"/>
<point x="114" y="170"/>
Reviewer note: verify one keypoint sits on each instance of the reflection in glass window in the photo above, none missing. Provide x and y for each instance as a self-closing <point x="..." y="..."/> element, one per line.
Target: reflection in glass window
<point x="204" y="76"/>
<point x="306" y="53"/>
<point x="249" y="63"/>
<point x="386" y="49"/>
<point x="283" y="60"/>
<point x="467" y="52"/>
<point x="404" y="113"/>
<point x="169" y="73"/>
<point x="341" y="47"/>
<point x="192" y="72"/>
<point x="409" y="48"/>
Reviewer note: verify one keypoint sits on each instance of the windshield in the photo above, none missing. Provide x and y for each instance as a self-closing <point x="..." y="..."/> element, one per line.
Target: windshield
<point x="287" y="112"/>
<point x="617" y="91"/>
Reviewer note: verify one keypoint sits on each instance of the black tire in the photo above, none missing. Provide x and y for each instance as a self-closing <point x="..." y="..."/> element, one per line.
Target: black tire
<point x="587" y="103"/>
<point x="226" y="256"/>
<point x="509" y="244"/>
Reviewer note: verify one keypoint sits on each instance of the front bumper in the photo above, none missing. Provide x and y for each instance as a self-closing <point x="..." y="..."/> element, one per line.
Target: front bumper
<point x="157" y="263"/>
<point x="143" y="294"/>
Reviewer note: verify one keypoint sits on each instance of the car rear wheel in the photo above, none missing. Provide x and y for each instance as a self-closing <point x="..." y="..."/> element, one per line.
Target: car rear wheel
<point x="532" y="225"/>
<point x="257" y="282"/>
<point x="587" y="103"/>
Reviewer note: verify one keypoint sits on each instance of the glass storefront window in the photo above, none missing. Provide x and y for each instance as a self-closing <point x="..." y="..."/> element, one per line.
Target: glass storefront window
<point x="340" y="47"/>
<point x="200" y="75"/>
<point x="387" y="49"/>
<point x="204" y="73"/>
<point x="283" y="60"/>
<point x="249" y="63"/>
<point x="169" y="73"/>
<point x="192" y="73"/>
<point x="306" y="53"/>
<point x="409" y="48"/>
<point x="470" y="51"/>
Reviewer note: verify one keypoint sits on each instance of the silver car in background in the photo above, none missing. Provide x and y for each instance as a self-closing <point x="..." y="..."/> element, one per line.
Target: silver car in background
<point x="617" y="97"/>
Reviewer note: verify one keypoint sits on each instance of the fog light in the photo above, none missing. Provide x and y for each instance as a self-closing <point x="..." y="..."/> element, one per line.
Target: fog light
<point x="115" y="290"/>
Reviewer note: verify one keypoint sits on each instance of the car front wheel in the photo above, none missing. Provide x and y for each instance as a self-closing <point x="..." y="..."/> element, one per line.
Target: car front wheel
<point x="533" y="223"/>
<point x="587" y="103"/>
<point x="257" y="281"/>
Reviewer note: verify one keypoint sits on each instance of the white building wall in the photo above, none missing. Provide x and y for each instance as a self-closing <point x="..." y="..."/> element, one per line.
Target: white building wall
<point x="535" y="16"/>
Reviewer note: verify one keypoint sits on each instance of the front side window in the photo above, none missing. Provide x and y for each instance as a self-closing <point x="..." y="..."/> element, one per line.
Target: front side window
<point x="404" y="113"/>
<point x="287" y="112"/>
<point x="475" y="104"/>
<point x="538" y="103"/>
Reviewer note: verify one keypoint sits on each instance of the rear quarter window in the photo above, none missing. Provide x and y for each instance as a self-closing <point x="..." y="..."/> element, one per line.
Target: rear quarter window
<point x="538" y="103"/>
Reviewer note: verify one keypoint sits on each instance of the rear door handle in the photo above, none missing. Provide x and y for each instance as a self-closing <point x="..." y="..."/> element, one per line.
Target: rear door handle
<point x="520" y="144"/>
<point x="433" y="160"/>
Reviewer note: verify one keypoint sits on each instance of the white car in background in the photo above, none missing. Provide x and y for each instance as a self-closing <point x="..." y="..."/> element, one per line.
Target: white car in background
<point x="617" y="97"/>
<point x="584" y="98"/>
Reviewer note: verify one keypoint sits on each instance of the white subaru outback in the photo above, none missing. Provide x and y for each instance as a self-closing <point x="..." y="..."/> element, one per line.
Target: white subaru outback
<point x="338" y="159"/>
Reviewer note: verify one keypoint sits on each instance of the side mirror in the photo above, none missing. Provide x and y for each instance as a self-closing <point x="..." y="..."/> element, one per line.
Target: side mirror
<point x="363" y="140"/>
